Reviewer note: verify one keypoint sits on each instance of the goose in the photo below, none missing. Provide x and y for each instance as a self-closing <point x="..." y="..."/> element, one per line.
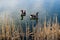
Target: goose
<point x="23" y="13"/>
<point x="34" y="17"/>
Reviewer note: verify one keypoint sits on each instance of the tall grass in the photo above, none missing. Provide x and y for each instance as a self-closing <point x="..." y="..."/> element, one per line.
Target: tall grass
<point x="49" y="31"/>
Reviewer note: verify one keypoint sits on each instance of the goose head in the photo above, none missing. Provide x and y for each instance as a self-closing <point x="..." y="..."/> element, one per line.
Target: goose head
<point x="34" y="16"/>
<point x="23" y="12"/>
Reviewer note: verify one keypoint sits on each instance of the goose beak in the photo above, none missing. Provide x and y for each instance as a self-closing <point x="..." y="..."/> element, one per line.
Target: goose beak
<point x="30" y="16"/>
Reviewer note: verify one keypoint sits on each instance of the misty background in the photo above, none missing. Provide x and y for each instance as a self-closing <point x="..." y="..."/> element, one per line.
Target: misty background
<point x="12" y="9"/>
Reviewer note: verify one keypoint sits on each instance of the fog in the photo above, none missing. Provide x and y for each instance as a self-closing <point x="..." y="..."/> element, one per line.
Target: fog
<point x="12" y="8"/>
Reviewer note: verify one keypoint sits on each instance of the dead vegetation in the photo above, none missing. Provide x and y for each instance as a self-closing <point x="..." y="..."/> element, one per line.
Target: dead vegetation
<point x="49" y="32"/>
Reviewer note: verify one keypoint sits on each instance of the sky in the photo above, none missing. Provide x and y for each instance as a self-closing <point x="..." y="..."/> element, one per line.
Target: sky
<point x="13" y="7"/>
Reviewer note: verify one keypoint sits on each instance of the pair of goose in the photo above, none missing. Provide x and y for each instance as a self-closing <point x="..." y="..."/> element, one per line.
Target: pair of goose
<point x="32" y="16"/>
